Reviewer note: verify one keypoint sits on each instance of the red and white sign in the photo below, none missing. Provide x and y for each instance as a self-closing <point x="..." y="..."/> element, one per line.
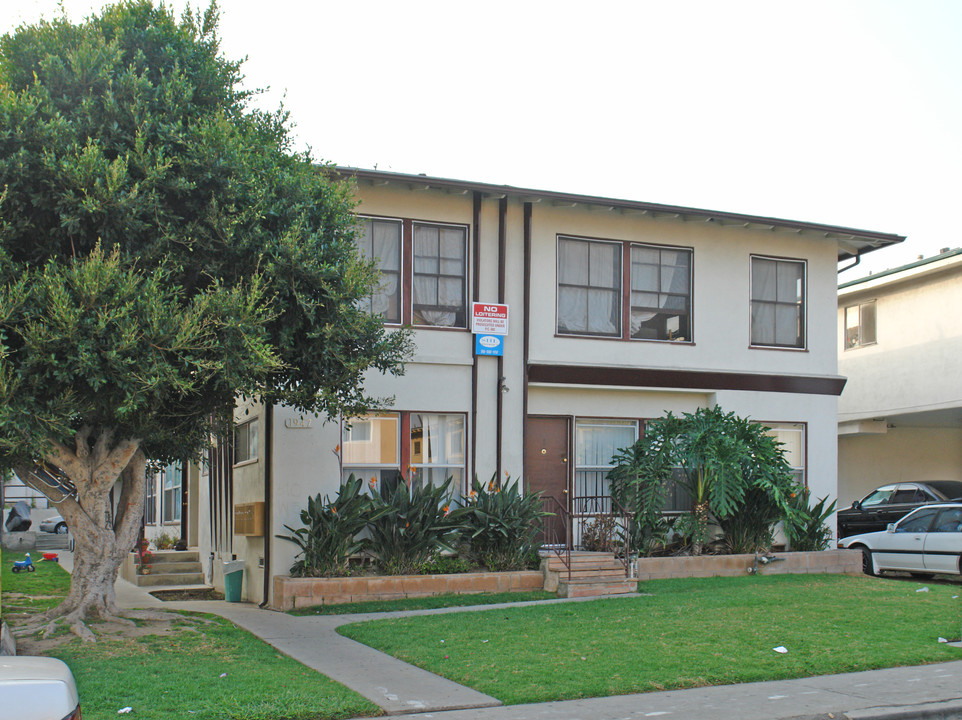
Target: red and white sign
<point x="489" y="319"/>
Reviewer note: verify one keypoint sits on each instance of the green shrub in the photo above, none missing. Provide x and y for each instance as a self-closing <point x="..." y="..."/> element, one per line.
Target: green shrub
<point x="411" y="524"/>
<point x="329" y="537"/>
<point x="805" y="526"/>
<point x="751" y="528"/>
<point x="166" y="542"/>
<point x="503" y="524"/>
<point x="602" y="535"/>
<point x="445" y="565"/>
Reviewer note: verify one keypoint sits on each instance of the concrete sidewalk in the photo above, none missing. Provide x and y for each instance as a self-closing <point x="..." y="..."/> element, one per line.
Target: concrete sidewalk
<point x="928" y="691"/>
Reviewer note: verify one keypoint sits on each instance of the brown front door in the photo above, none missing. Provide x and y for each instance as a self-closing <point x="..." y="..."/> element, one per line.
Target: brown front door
<point x="546" y="471"/>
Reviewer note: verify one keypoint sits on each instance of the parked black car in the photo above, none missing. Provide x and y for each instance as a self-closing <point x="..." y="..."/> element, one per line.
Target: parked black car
<point x="890" y="503"/>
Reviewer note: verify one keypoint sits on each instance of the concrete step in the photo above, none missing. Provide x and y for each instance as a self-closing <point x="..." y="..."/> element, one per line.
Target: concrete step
<point x="596" y="589"/>
<point x="170" y="579"/>
<point x="168" y="568"/>
<point x="617" y="573"/>
<point x="174" y="556"/>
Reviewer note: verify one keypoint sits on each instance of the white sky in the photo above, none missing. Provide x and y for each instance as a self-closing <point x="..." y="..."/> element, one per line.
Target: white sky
<point x="843" y="112"/>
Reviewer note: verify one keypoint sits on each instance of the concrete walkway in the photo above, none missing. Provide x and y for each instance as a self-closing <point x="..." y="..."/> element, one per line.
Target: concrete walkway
<point x="928" y="691"/>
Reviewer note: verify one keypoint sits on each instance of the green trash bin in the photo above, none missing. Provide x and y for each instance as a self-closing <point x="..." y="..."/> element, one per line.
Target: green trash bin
<point x="233" y="576"/>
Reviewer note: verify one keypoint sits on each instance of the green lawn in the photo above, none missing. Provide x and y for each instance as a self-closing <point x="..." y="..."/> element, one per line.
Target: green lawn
<point x="424" y="603"/>
<point x="30" y="592"/>
<point x="177" y="674"/>
<point x="688" y="633"/>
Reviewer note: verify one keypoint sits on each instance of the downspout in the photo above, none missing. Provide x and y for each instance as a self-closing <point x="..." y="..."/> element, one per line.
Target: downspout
<point x="475" y="295"/>
<point x="524" y="328"/>
<point x="268" y="510"/>
<point x="858" y="259"/>
<point x="502" y="244"/>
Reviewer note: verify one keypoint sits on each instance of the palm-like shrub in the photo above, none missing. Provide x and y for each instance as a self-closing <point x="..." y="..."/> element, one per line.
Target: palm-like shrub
<point x="412" y="523"/>
<point x="330" y="534"/>
<point x="728" y="464"/>
<point x="502" y="524"/>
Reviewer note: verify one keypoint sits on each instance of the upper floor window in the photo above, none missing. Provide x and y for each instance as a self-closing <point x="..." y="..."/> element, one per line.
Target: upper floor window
<point x="860" y="325"/>
<point x="778" y="302"/>
<point x="245" y="441"/>
<point x="440" y="275"/>
<point x="423" y="271"/>
<point x="589" y="287"/>
<point x="651" y="301"/>
<point x="380" y="241"/>
<point x="660" y="293"/>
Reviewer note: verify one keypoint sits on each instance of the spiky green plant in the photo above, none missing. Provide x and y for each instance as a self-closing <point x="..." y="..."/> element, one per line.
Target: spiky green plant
<point x="330" y="534"/>
<point x="502" y="523"/>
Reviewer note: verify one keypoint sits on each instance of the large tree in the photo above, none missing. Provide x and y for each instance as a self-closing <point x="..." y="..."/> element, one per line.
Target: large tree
<point x="163" y="250"/>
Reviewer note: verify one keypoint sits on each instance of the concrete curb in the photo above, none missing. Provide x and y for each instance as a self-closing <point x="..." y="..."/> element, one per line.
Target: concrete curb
<point x="943" y="710"/>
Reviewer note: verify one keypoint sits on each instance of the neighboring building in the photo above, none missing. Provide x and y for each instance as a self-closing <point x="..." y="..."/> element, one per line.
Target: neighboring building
<point x="619" y="312"/>
<point x="900" y="346"/>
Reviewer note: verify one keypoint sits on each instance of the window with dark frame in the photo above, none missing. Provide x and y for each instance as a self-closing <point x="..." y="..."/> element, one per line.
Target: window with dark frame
<point x="150" y="508"/>
<point x="660" y="293"/>
<point x="589" y="287"/>
<point x="245" y="441"/>
<point x="440" y="276"/>
<point x="380" y="241"/>
<point x="172" y="487"/>
<point x="860" y="325"/>
<point x="777" y="302"/>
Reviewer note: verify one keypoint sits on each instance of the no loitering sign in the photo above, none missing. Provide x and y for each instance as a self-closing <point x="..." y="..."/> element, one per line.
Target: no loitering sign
<point x="489" y="319"/>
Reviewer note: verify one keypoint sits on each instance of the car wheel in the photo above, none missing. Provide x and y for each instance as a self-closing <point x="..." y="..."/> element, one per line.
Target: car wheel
<point x="922" y="576"/>
<point x="62" y="529"/>
<point x="867" y="566"/>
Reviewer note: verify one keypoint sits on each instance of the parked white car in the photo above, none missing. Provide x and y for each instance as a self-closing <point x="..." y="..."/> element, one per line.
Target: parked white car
<point x="925" y="542"/>
<point x="55" y="524"/>
<point x="37" y="688"/>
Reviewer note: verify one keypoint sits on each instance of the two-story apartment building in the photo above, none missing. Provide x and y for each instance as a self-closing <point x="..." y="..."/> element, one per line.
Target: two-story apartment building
<point x="900" y="346"/>
<point x="618" y="312"/>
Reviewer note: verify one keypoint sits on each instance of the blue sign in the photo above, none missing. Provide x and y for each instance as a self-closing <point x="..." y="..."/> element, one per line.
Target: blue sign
<point x="489" y="345"/>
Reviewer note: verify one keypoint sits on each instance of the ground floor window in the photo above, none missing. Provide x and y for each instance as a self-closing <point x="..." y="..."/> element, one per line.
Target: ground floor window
<point x="421" y="447"/>
<point x="596" y="443"/>
<point x="150" y="511"/>
<point x="171" y="484"/>
<point x="792" y="438"/>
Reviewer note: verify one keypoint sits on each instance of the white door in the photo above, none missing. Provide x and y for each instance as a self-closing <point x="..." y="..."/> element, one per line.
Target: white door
<point x="943" y="543"/>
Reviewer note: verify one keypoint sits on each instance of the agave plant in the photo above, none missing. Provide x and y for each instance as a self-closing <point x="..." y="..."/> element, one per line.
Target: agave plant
<point x="330" y="534"/>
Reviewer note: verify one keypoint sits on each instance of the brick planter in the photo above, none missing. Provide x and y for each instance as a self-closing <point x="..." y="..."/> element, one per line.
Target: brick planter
<point x="291" y="593"/>
<point x="827" y="561"/>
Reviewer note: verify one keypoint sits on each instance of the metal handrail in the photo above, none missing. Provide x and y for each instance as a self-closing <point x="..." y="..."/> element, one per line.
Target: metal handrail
<point x="593" y="508"/>
<point x="560" y="546"/>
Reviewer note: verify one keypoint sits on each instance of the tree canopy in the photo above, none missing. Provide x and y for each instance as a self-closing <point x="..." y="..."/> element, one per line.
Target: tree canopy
<point x="163" y="249"/>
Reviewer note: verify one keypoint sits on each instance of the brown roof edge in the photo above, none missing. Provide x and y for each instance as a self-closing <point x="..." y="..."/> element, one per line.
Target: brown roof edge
<point x="871" y="239"/>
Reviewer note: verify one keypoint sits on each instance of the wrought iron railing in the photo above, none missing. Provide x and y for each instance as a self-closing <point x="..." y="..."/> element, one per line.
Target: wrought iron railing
<point x="556" y="530"/>
<point x="564" y="529"/>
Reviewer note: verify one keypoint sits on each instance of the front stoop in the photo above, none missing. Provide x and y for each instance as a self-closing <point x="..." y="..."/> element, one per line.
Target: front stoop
<point x="593" y="574"/>
<point x="173" y="567"/>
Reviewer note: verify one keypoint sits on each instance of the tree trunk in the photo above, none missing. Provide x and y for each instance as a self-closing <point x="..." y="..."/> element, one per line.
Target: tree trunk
<point x="102" y="538"/>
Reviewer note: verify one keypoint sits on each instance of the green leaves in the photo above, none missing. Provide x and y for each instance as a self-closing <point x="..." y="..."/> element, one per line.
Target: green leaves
<point x="502" y="523"/>
<point x="178" y="252"/>
<point x="729" y="465"/>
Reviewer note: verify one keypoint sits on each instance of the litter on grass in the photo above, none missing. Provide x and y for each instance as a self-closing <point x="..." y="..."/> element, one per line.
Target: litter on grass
<point x="124" y="711"/>
<point x="925" y="589"/>
<point x="942" y="639"/>
<point x="781" y="649"/>
<point x="223" y="674"/>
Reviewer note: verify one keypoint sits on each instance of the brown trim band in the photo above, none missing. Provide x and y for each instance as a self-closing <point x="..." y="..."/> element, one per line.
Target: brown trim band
<point x="687" y="379"/>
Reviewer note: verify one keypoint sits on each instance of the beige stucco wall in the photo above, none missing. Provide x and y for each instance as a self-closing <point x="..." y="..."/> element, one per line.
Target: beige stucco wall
<point x="915" y="365"/>
<point x="909" y="454"/>
<point x="720" y="298"/>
